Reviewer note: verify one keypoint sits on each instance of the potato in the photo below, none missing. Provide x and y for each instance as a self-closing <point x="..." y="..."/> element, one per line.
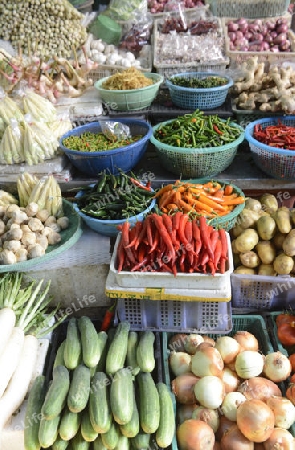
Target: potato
<point x="266" y="227"/>
<point x="236" y="231"/>
<point x="289" y="244"/>
<point x="267" y="270"/>
<point x="244" y="270"/>
<point x="250" y="259"/>
<point x="266" y="251"/>
<point x="269" y="203"/>
<point x="283" y="220"/>
<point x="283" y="264"/>
<point x="292" y="215"/>
<point x="246" y="241"/>
<point x="234" y="248"/>
<point x="247" y="218"/>
<point x="278" y="240"/>
<point x="253" y="204"/>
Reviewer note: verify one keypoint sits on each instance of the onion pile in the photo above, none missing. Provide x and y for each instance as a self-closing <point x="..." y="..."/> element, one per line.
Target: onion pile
<point x="228" y="398"/>
<point x="259" y="35"/>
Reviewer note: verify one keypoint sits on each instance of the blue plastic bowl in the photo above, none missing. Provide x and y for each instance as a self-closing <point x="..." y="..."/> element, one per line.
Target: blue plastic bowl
<point x="109" y="227"/>
<point x="124" y="158"/>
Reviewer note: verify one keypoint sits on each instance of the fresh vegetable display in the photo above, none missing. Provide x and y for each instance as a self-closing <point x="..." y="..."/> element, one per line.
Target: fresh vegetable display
<point x="199" y="83"/>
<point x="91" y="398"/>
<point x="97" y="142"/>
<point x="263" y="238"/>
<point x="197" y="130"/>
<point x="114" y="197"/>
<point x="157" y="6"/>
<point x="279" y="136"/>
<point x="211" y="199"/>
<point x="172" y="244"/>
<point x="25" y="317"/>
<point x="226" y="392"/>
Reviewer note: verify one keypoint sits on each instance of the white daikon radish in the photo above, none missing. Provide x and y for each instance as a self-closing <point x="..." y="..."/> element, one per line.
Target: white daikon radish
<point x="7" y="322"/>
<point x="10" y="357"/>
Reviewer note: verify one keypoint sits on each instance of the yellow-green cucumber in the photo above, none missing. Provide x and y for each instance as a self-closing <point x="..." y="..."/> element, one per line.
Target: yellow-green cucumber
<point x="165" y="433"/>
<point x="121" y="396"/>
<point x="48" y="431"/>
<point x="145" y="355"/>
<point x="79" y="443"/>
<point x="73" y="346"/>
<point x="89" y="340"/>
<point x="87" y="430"/>
<point x="131" y="428"/>
<point x="131" y="359"/>
<point x="149" y="403"/>
<point x="60" y="444"/>
<point x="32" y="416"/>
<point x="117" y="350"/>
<point x="99" y="403"/>
<point x="103" y="339"/>
<point x="69" y="424"/>
<point x="57" y="393"/>
<point x="111" y="437"/>
<point x="98" y="444"/>
<point x="123" y="443"/>
<point x="79" y="389"/>
<point x="141" y="441"/>
<point x="59" y="357"/>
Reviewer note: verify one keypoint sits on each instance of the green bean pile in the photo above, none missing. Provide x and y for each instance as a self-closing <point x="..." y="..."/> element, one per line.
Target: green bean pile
<point x="199" y="83"/>
<point x="197" y="130"/>
<point x="97" y="142"/>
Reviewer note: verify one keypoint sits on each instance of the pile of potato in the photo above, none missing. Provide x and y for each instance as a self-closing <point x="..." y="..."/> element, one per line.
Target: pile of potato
<point x="263" y="239"/>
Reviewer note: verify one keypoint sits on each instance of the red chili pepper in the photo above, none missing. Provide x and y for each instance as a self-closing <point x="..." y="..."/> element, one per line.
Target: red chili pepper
<point x="139" y="184"/>
<point x="215" y="128"/>
<point x="141" y="235"/>
<point x="214" y="237"/>
<point x="155" y="240"/>
<point x="108" y="317"/>
<point x="223" y="239"/>
<point x="181" y="233"/>
<point x="142" y="263"/>
<point x="217" y="254"/>
<point x="149" y="231"/>
<point x="197" y="237"/>
<point x="158" y="221"/>
<point x="176" y="219"/>
<point x="133" y="235"/>
<point x="121" y="256"/>
<point x="125" y="242"/>
<point x="205" y="236"/>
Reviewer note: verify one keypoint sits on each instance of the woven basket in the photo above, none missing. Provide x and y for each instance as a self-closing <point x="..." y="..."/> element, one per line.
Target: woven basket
<point x="250" y="9"/>
<point x="275" y="162"/>
<point x="196" y="162"/>
<point x="190" y="98"/>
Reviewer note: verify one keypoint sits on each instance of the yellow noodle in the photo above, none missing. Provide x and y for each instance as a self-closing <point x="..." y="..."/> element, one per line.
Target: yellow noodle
<point x="130" y="78"/>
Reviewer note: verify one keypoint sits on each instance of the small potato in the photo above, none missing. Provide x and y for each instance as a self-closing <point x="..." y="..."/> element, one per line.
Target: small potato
<point x="244" y="270"/>
<point x="253" y="204"/>
<point x="278" y="240"/>
<point x="234" y="248"/>
<point x="266" y="251"/>
<point x="246" y="241"/>
<point x="269" y="203"/>
<point x="283" y="264"/>
<point x="236" y="231"/>
<point x="289" y="244"/>
<point x="250" y="259"/>
<point x="247" y="218"/>
<point x="267" y="270"/>
<point x="283" y="220"/>
<point x="266" y="227"/>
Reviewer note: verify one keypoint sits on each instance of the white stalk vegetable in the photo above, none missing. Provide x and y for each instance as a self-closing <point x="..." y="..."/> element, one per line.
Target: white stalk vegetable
<point x="10" y="357"/>
<point x="7" y="322"/>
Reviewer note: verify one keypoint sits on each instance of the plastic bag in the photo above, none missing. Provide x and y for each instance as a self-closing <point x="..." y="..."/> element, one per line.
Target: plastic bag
<point x="115" y="130"/>
<point x="125" y="9"/>
<point x="138" y="35"/>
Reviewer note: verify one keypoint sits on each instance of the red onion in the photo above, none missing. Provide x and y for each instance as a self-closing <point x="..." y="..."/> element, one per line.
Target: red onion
<point x="280" y="39"/>
<point x="282" y="28"/>
<point x="242" y="21"/>
<point x="286" y="46"/>
<point x="231" y="26"/>
<point x="243" y="27"/>
<point x="275" y="49"/>
<point x="232" y="35"/>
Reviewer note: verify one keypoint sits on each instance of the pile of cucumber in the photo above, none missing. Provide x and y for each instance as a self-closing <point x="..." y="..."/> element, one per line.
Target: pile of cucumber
<point x="102" y="394"/>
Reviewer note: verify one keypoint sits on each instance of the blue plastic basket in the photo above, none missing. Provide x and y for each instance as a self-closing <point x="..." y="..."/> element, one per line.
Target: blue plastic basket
<point x="123" y="158"/>
<point x="201" y="98"/>
<point x="275" y="162"/>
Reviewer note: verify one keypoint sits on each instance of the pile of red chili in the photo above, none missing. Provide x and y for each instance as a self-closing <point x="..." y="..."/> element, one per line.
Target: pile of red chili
<point x="279" y="135"/>
<point x="172" y="243"/>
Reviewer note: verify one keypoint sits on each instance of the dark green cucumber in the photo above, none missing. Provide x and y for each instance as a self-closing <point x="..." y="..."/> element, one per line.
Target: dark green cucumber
<point x="48" y="431"/>
<point x="141" y="441"/>
<point x="98" y="444"/>
<point x="117" y="350"/>
<point x="59" y="357"/>
<point x="131" y="359"/>
<point x="87" y="430"/>
<point x="110" y="438"/>
<point x="79" y="389"/>
<point x="149" y="403"/>
<point x="165" y="432"/>
<point x="57" y="393"/>
<point x="69" y="424"/>
<point x="145" y="351"/>
<point x="32" y="415"/>
<point x="103" y="340"/>
<point x="131" y="428"/>
<point x="89" y="340"/>
<point x="121" y="396"/>
<point x="73" y="346"/>
<point x="99" y="403"/>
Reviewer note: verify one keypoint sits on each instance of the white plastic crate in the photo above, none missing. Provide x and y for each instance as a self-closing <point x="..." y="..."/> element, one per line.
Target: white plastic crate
<point x="250" y="9"/>
<point x="189" y="317"/>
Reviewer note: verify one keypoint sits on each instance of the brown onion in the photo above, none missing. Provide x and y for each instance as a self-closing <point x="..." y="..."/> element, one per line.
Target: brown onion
<point x="179" y="363"/>
<point x="280" y="439"/>
<point x="246" y="340"/>
<point x="259" y="388"/>
<point x="228" y="347"/>
<point x="224" y="425"/>
<point x="192" y="342"/>
<point x="207" y="361"/>
<point x="255" y="420"/>
<point x="230" y="380"/>
<point x="209" y="391"/>
<point x="284" y="411"/>
<point x="176" y="342"/>
<point x="277" y="367"/>
<point x="183" y="388"/>
<point x="195" y="434"/>
<point x="217" y="446"/>
<point x="209" y="340"/>
<point x="210" y="416"/>
<point x="184" y="412"/>
<point x="233" y="439"/>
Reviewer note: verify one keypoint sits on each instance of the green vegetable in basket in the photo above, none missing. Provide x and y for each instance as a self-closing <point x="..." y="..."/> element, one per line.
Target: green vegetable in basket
<point x="208" y="82"/>
<point x="97" y="142"/>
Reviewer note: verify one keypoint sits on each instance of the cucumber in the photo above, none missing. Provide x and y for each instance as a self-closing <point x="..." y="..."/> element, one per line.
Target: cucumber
<point x="98" y="444"/>
<point x="57" y="393"/>
<point x="79" y="389"/>
<point x="110" y="438"/>
<point x="60" y="444"/>
<point x="141" y="441"/>
<point x="87" y="431"/>
<point x="69" y="424"/>
<point x="145" y="351"/>
<point x="131" y="428"/>
<point x="48" y="431"/>
<point x="89" y="341"/>
<point x="79" y="443"/>
<point x="117" y="350"/>
<point x="103" y="341"/>
<point x="149" y="403"/>
<point x="59" y="357"/>
<point x="121" y="396"/>
<point x="73" y="346"/>
<point x="99" y="403"/>
<point x="123" y="443"/>
<point x="165" y="432"/>
<point x="131" y="359"/>
<point x="32" y="416"/>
